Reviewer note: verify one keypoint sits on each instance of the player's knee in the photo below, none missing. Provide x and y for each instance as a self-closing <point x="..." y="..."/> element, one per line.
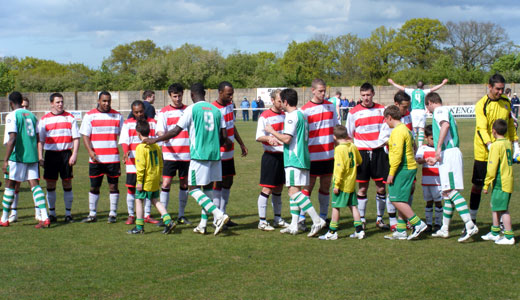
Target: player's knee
<point x="67" y="189"/>
<point x="49" y="189"/>
<point x="475" y="189"/>
<point x="114" y="191"/>
<point x="429" y="204"/>
<point x="94" y="190"/>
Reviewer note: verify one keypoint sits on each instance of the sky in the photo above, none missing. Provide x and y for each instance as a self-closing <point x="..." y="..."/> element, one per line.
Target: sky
<point x="84" y="31"/>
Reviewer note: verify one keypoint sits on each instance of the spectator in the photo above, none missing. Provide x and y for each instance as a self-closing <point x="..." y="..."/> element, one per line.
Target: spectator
<point x="234" y="109"/>
<point x="344" y="105"/>
<point x="515" y="102"/>
<point x="245" y="106"/>
<point x="261" y="104"/>
<point x="254" y="107"/>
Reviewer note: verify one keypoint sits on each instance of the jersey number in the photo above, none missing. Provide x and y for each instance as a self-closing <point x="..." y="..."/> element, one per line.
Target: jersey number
<point x="154" y="158"/>
<point x="29" y="127"/>
<point x="209" y="123"/>
<point x="509" y="157"/>
<point x="351" y="157"/>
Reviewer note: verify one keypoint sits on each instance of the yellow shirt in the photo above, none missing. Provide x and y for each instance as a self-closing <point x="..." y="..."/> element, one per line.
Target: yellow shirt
<point x="400" y="150"/>
<point x="500" y="166"/>
<point x="346" y="160"/>
<point x="487" y="111"/>
<point x="149" y="164"/>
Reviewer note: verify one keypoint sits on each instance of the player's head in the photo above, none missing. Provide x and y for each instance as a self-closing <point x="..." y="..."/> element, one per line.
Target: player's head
<point x="289" y="98"/>
<point x="56" y="100"/>
<point x="500" y="127"/>
<point x="138" y="110"/>
<point x="508" y="92"/>
<point x="276" y="100"/>
<point x="318" y="89"/>
<point x="428" y="135"/>
<point x="197" y="92"/>
<point x="175" y="91"/>
<point x="104" y="101"/>
<point x="149" y="96"/>
<point x="367" y="94"/>
<point x="420" y="84"/>
<point x="338" y="94"/>
<point x="432" y="100"/>
<point x="15" y="100"/>
<point x="340" y="132"/>
<point x="143" y="128"/>
<point x="225" y="92"/>
<point x="496" y="86"/>
<point x="25" y="102"/>
<point x="391" y="114"/>
<point x="402" y="100"/>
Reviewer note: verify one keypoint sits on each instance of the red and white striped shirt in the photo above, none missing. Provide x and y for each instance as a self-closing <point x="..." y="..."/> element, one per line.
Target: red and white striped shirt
<point x="177" y="148"/>
<point x="229" y="117"/>
<point x="385" y="132"/>
<point x="269" y="117"/>
<point x="364" y="125"/>
<point x="57" y="132"/>
<point x="103" y="129"/>
<point x="430" y="174"/>
<point x="129" y="140"/>
<point x="321" y="118"/>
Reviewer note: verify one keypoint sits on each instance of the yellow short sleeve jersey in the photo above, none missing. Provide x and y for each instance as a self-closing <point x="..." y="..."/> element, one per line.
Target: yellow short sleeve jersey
<point x="487" y="111"/>
<point x="346" y="160"/>
<point x="500" y="166"/>
<point x="149" y="164"/>
<point x="400" y="150"/>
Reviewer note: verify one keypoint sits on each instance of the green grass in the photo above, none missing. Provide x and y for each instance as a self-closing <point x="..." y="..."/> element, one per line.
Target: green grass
<point x="100" y="260"/>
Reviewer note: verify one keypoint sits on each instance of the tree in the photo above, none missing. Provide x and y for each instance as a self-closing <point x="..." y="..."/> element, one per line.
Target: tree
<point x="303" y="62"/>
<point x="6" y="79"/>
<point x="419" y="41"/>
<point x="344" y="50"/>
<point x="509" y="66"/>
<point x="477" y="44"/>
<point x="126" y="58"/>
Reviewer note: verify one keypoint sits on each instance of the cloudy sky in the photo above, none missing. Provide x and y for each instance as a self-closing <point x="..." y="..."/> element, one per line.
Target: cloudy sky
<point x="86" y="30"/>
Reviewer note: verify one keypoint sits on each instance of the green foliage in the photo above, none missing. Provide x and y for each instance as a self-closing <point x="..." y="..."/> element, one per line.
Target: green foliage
<point x="303" y="62"/>
<point x="509" y="66"/>
<point x="6" y="79"/>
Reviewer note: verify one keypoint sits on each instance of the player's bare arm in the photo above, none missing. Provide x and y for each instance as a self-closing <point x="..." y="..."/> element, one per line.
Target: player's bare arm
<point x="74" y="157"/>
<point x="88" y="145"/>
<point x="445" y="127"/>
<point x="400" y="87"/>
<point x="168" y="135"/>
<point x="241" y="143"/>
<point x="433" y="89"/>
<point x="8" y="150"/>
<point x="284" y="138"/>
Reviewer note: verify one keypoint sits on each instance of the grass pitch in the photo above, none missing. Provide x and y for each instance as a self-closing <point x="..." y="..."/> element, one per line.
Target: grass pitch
<point x="100" y="260"/>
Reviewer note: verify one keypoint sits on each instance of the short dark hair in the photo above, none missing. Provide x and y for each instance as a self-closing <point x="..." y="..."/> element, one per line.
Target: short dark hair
<point x="496" y="78"/>
<point x="393" y="111"/>
<point x="25" y="99"/>
<point x="223" y="84"/>
<point x="198" y="89"/>
<point x="507" y="91"/>
<point x="16" y="98"/>
<point x="148" y="93"/>
<point x="500" y="126"/>
<point x="340" y="132"/>
<point x="137" y="103"/>
<point x="428" y="130"/>
<point x="366" y="87"/>
<point x="54" y="96"/>
<point x="291" y="96"/>
<point x="401" y="96"/>
<point x="104" y="93"/>
<point x="318" y="81"/>
<point x="143" y="127"/>
<point x="433" y="98"/>
<point x="420" y="84"/>
<point x="175" y="88"/>
<point x="338" y="93"/>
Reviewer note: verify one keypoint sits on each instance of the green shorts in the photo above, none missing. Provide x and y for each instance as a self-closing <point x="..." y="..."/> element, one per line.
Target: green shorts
<point x="146" y="195"/>
<point x="344" y="199"/>
<point x="401" y="189"/>
<point x="499" y="200"/>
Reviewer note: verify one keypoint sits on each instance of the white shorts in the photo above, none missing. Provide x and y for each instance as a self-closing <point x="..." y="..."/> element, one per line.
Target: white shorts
<point x="204" y="172"/>
<point x="451" y="170"/>
<point x="432" y="192"/>
<point x="297" y="177"/>
<point x="418" y="118"/>
<point x="22" y="172"/>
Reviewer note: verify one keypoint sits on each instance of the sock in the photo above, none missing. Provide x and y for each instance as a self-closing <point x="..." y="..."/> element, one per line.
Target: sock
<point x="51" y="200"/>
<point x="139" y="223"/>
<point x="39" y="200"/>
<point x="92" y="203"/>
<point x="324" y="198"/>
<point x="302" y="213"/>
<point x="147" y="207"/>
<point x="6" y="203"/>
<point x="420" y="138"/>
<point x="438" y="215"/>
<point x="225" y="199"/>
<point x="461" y="206"/>
<point x="130" y="201"/>
<point x="509" y="234"/>
<point x="474" y="203"/>
<point x="205" y="203"/>
<point x="380" y="205"/>
<point x="447" y="213"/>
<point x="14" y="205"/>
<point x="203" y="219"/>
<point x="68" y="197"/>
<point x="37" y="211"/>
<point x="495" y="230"/>
<point x="114" y="199"/>
<point x="166" y="218"/>
<point x="164" y="197"/>
<point x="333" y="226"/>
<point x="358" y="225"/>
<point x="362" y="205"/>
<point x="217" y="196"/>
<point x="295" y="212"/>
<point x="262" y="205"/>
<point x="428" y="213"/>
<point x="392" y="215"/>
<point x="306" y="206"/>
<point x="414" y="220"/>
<point x="276" y="199"/>
<point x="183" y="200"/>
<point x="401" y="225"/>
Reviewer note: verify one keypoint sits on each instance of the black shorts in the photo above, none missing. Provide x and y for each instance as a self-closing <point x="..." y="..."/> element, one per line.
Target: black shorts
<point x="96" y="172"/>
<point x="228" y="167"/>
<point x="272" y="173"/>
<point x="171" y="166"/>
<point x="322" y="168"/>
<point x="375" y="165"/>
<point x="131" y="180"/>
<point x="479" y="173"/>
<point x="57" y="162"/>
